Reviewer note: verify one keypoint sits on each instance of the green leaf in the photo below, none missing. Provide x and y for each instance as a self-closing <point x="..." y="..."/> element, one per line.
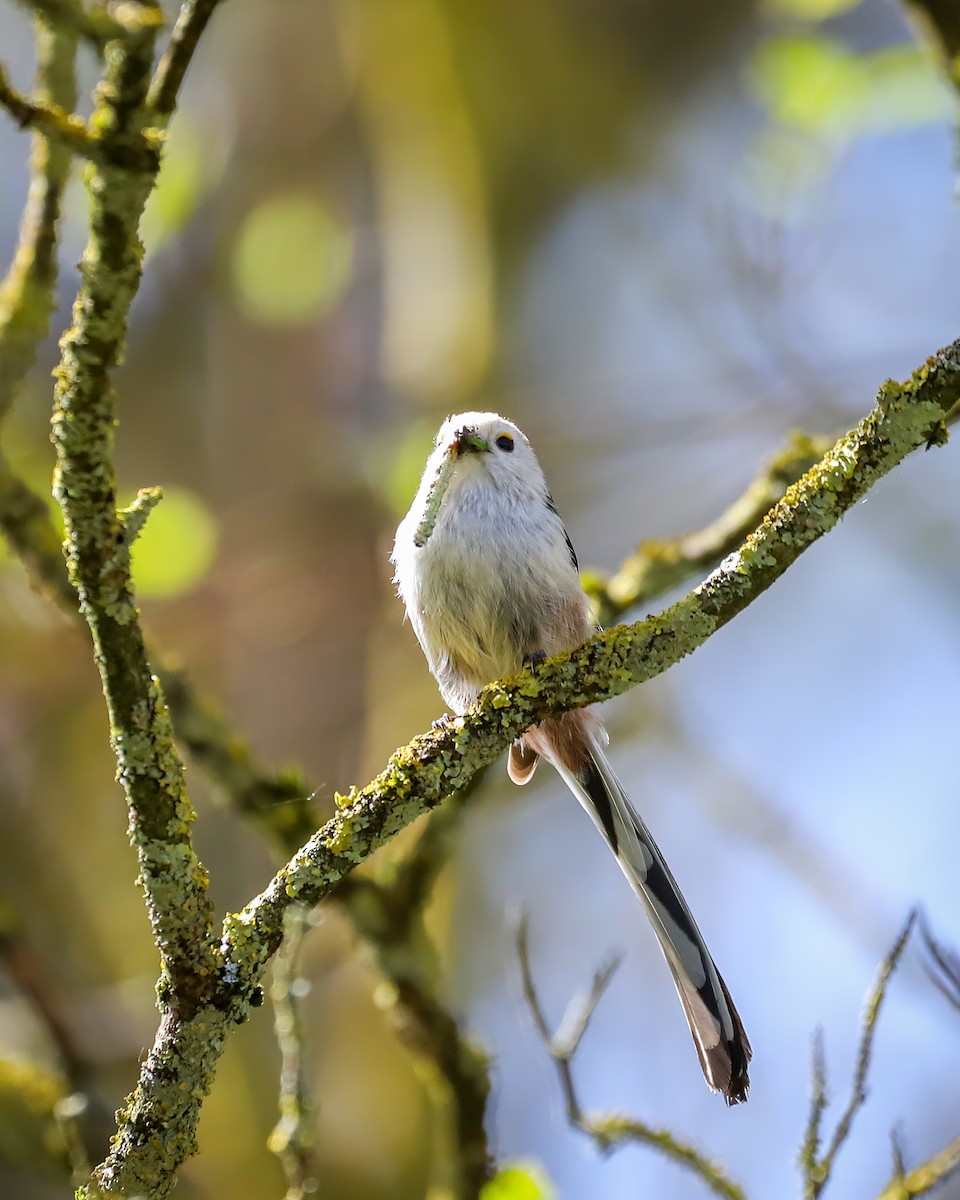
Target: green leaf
<point x="292" y="259"/>
<point x="519" y="1181"/>
<point x="176" y="546"/>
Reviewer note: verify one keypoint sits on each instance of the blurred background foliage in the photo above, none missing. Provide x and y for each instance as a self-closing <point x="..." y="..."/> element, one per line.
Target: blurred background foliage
<point x="658" y="234"/>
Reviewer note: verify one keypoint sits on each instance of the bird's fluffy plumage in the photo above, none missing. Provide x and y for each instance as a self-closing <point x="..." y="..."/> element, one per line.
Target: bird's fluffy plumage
<point x="494" y="585"/>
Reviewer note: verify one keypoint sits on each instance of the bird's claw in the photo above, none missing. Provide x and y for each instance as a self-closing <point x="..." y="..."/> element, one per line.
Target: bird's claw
<point x="534" y="660"/>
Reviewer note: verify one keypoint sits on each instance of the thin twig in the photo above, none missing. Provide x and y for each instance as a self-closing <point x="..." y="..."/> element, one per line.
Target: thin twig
<point x="943" y="969"/>
<point x="51" y="120"/>
<point x="810" y="1149"/>
<point x="293" y="1137"/>
<point x="608" y="1132"/>
<point x="28" y="293"/>
<point x="817" y="1170"/>
<point x="165" y="87"/>
<point x="897" y="1158"/>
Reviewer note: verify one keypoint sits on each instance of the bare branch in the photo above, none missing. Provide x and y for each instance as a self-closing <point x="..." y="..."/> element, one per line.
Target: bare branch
<point x="817" y="1170"/>
<point x="608" y="1132"/>
<point x="192" y="21"/>
<point x="943" y="968"/>
<point x="810" y="1149"/>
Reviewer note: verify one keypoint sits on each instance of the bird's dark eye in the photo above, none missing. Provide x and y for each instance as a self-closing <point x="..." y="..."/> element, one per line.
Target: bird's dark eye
<point x="505" y="442"/>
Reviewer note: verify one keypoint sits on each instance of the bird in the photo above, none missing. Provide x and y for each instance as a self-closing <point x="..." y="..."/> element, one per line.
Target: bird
<point x="490" y="581"/>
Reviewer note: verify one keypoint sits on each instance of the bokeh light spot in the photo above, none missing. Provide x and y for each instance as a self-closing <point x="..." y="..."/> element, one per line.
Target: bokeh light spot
<point x="519" y="1181"/>
<point x="176" y="547"/>
<point x="291" y="261"/>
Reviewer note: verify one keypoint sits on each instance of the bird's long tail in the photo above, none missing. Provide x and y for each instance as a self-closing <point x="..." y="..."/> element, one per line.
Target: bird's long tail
<point x="719" y="1036"/>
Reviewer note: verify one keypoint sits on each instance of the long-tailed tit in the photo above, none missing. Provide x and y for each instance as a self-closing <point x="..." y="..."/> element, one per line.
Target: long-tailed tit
<point x="490" y="581"/>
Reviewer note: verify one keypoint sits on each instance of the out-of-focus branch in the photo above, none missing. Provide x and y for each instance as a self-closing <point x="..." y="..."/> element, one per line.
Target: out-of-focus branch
<point x="925" y="1178"/>
<point x="940" y="21"/>
<point x="608" y="1131"/>
<point x="280" y="803"/>
<point x="28" y="293"/>
<point x="817" y="1168"/>
<point x="655" y="567"/>
<point x="30" y="976"/>
<point x="942" y="965"/>
<point x="292" y="1139"/>
<point x="27" y="299"/>
<point x="96" y="23"/>
<point x="49" y="119"/>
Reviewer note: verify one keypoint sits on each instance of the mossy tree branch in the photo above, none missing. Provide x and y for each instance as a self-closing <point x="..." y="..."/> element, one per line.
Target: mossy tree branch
<point x="98" y="550"/>
<point x="99" y="564"/>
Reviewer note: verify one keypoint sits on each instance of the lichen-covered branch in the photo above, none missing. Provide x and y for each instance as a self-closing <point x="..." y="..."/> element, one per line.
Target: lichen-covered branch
<point x="608" y="1130"/>
<point x="98" y="550"/>
<point x="99" y="565"/>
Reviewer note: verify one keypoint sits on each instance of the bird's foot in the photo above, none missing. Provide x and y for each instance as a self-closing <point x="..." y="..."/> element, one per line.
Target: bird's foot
<point x="534" y="660"/>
